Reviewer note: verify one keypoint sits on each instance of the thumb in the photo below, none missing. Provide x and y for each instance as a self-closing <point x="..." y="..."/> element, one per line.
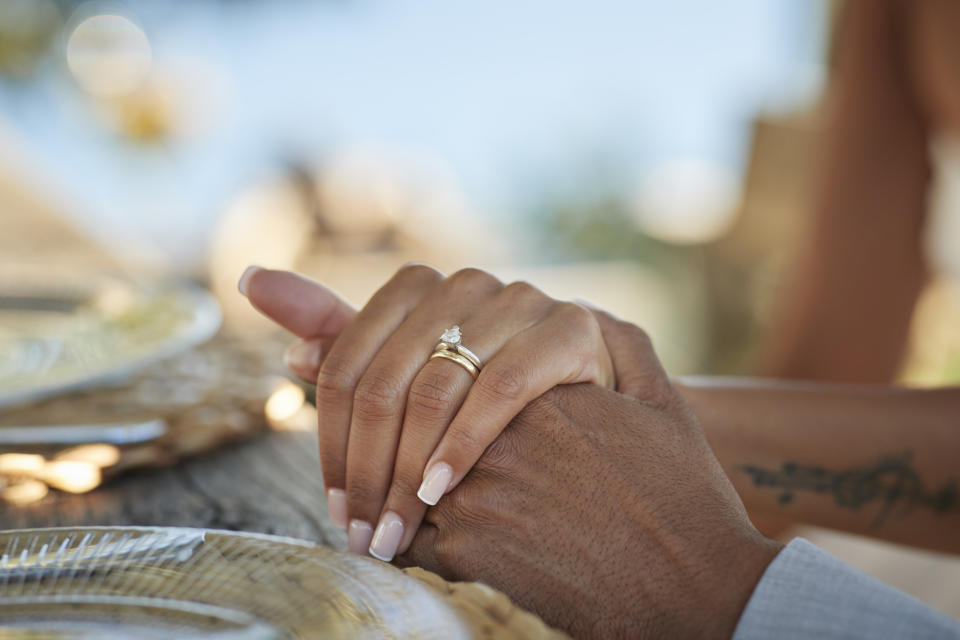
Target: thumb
<point x="304" y="307"/>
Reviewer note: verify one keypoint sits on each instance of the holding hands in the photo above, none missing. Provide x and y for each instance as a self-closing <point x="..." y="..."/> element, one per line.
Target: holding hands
<point x="603" y="510"/>
<point x="402" y="419"/>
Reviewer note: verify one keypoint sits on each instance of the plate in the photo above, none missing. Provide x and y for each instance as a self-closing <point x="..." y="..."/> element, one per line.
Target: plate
<point x="56" y="338"/>
<point x="141" y="582"/>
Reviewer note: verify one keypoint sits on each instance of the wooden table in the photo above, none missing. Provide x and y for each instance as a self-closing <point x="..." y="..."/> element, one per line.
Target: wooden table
<point x="270" y="484"/>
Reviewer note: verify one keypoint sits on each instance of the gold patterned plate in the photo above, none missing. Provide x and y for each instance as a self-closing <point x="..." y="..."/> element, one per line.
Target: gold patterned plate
<point x="57" y="337"/>
<point x="166" y="582"/>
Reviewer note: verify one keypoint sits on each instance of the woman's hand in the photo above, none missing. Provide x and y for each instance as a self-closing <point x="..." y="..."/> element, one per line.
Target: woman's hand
<point x="394" y="423"/>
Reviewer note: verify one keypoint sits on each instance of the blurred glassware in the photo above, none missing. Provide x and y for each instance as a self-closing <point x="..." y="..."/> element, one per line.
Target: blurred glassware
<point x="112" y="582"/>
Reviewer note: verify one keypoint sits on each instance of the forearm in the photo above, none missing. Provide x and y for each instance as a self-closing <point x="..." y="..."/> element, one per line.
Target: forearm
<point x="843" y="311"/>
<point x="879" y="461"/>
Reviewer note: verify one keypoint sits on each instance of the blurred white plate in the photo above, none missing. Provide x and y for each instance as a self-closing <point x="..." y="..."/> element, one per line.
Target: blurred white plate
<point x="165" y="582"/>
<point x="58" y="340"/>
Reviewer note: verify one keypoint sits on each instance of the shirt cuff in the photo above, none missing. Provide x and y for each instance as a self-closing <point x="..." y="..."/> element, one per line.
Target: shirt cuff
<point x="808" y="593"/>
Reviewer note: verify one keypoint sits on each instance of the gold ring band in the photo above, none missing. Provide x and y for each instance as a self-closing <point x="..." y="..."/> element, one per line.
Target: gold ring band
<point x="459" y="348"/>
<point x="459" y="359"/>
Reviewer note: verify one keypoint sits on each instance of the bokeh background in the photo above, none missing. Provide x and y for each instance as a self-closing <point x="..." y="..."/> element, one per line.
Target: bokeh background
<point x="651" y="157"/>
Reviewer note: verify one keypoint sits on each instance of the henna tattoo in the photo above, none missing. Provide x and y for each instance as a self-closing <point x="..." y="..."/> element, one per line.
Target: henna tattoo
<point x="891" y="481"/>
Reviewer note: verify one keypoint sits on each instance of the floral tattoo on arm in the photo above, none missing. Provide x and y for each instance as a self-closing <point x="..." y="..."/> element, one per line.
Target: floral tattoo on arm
<point x="891" y="482"/>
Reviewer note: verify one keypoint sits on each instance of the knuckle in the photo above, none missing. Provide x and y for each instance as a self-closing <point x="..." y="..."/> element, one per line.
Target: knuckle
<point x="636" y="333"/>
<point x="378" y="396"/>
<point x="473" y="510"/>
<point x="405" y="485"/>
<point x="472" y="278"/>
<point x="522" y="290"/>
<point x="432" y="395"/>
<point x="501" y="455"/>
<point x="362" y="490"/>
<point x="502" y="384"/>
<point x="575" y="315"/>
<point x="334" y="379"/>
<point x="461" y="505"/>
<point x="417" y="272"/>
<point x="465" y="440"/>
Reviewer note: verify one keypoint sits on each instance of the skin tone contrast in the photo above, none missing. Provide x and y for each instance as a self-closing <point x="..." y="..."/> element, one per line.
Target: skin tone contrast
<point x="398" y="429"/>
<point x="605" y="513"/>
<point x="645" y="514"/>
<point x="762" y="431"/>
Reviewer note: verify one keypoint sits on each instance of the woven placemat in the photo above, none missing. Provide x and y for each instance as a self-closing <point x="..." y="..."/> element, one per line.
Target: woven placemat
<point x="489" y="612"/>
<point x="182" y="406"/>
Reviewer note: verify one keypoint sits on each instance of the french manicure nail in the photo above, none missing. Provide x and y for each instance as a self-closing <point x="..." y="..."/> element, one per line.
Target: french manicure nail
<point x="387" y="538"/>
<point x="435" y="483"/>
<point x="358" y="537"/>
<point x="244" y="283"/>
<point x="337" y="506"/>
<point x="303" y="355"/>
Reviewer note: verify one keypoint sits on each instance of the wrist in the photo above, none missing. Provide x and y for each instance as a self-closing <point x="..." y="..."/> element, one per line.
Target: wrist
<point x="715" y="415"/>
<point x="707" y="590"/>
<point x="728" y="417"/>
<point x="731" y="580"/>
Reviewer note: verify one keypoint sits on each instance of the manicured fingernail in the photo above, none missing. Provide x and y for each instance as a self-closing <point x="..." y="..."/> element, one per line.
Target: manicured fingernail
<point x="358" y="537"/>
<point x="244" y="282"/>
<point x="387" y="538"/>
<point x="435" y="483"/>
<point x="337" y="506"/>
<point x="303" y="356"/>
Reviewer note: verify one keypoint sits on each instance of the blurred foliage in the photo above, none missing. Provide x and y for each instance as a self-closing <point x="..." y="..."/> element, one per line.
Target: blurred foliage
<point x="597" y="227"/>
<point x="590" y="218"/>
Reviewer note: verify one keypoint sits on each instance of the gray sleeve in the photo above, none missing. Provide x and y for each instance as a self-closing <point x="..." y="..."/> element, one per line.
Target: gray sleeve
<point x="807" y="593"/>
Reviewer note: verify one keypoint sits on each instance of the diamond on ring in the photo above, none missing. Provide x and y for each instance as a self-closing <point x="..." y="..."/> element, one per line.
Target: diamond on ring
<point x="451" y="336"/>
<point x="450" y="344"/>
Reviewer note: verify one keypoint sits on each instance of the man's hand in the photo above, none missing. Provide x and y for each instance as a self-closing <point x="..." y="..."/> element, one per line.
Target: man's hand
<point x="605" y="514"/>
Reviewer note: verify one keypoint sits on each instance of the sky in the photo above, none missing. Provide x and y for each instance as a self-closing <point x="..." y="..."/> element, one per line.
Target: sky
<point x="505" y="96"/>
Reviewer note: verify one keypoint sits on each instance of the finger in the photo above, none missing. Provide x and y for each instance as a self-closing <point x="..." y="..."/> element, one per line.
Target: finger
<point x="381" y="397"/>
<point x="636" y="366"/>
<point x="302" y="306"/>
<point x="438" y="391"/>
<point x="303" y="358"/>
<point x="435" y="396"/>
<point x="567" y="347"/>
<point x="347" y="360"/>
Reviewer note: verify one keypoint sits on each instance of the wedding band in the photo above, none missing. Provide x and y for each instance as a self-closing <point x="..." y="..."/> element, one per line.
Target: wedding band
<point x="459" y="348"/>
<point x="459" y="359"/>
<point x="450" y="348"/>
<point x="469" y="355"/>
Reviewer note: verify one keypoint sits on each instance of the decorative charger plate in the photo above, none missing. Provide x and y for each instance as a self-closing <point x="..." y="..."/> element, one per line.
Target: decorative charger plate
<point x="58" y="335"/>
<point x="140" y="582"/>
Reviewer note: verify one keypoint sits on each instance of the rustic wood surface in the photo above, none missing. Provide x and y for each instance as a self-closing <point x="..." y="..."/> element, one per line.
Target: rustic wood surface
<point x="270" y="484"/>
